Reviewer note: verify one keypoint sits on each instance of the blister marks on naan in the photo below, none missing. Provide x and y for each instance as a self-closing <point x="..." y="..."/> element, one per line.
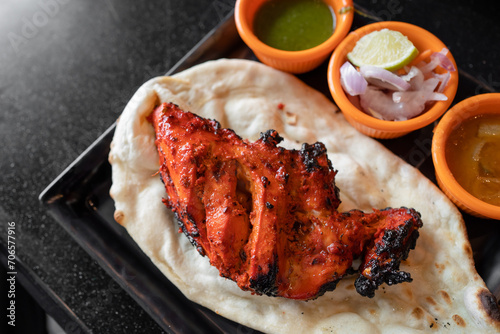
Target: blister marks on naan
<point x="418" y="313"/>
<point x="408" y="293"/>
<point x="431" y="301"/>
<point x="445" y="296"/>
<point x="459" y="320"/>
<point x="490" y="304"/>
<point x="440" y="267"/>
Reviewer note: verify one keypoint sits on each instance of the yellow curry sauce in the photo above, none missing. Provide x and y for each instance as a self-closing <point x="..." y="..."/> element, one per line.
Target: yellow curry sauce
<point x="473" y="155"/>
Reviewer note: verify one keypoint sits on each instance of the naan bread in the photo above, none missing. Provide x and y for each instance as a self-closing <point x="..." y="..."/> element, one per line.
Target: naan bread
<point x="446" y="295"/>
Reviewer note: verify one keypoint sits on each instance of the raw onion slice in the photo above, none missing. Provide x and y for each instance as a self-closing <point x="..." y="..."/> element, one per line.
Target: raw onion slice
<point x="415" y="77"/>
<point x="383" y="78"/>
<point x="380" y="105"/>
<point x="351" y="80"/>
<point x="435" y="96"/>
<point x="438" y="59"/>
<point x="423" y="94"/>
<point x="388" y="96"/>
<point x="443" y="79"/>
<point x="430" y="66"/>
<point x="401" y="105"/>
<point x="443" y="61"/>
<point x="412" y="73"/>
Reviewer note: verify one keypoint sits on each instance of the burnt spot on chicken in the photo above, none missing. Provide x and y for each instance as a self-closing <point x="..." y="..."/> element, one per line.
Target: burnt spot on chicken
<point x="243" y="255"/>
<point x="393" y="240"/>
<point x="265" y="283"/>
<point x="383" y="261"/>
<point x="191" y="235"/>
<point x="265" y="181"/>
<point x="271" y="137"/>
<point x="267" y="217"/>
<point x="215" y="125"/>
<point x="310" y="155"/>
<point x="330" y="286"/>
<point x="367" y="286"/>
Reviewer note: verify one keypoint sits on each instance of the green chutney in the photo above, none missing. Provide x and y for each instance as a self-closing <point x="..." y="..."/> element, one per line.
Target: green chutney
<point x="294" y="25"/>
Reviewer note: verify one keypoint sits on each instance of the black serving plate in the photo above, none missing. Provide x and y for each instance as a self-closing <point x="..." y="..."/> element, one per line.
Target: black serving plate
<point x="79" y="200"/>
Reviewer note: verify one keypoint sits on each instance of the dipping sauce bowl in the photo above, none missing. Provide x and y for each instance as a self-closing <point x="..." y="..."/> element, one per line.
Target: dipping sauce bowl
<point x="292" y="61"/>
<point x="485" y="106"/>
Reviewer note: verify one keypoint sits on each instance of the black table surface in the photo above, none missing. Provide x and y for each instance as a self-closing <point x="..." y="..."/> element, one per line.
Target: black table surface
<point x="67" y="69"/>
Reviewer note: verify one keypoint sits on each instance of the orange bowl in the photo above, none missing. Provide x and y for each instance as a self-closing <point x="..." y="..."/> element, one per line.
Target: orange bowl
<point x="292" y="61"/>
<point x="477" y="105"/>
<point x="367" y="124"/>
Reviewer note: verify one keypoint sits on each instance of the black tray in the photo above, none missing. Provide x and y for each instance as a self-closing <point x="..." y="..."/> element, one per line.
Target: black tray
<point x="79" y="200"/>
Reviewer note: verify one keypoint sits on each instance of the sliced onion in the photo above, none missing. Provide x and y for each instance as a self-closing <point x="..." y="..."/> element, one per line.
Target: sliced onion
<point x="443" y="78"/>
<point x="351" y="80"/>
<point x="422" y="95"/>
<point x="412" y="73"/>
<point x="383" y="78"/>
<point x="380" y="105"/>
<point x="443" y="61"/>
<point x="415" y="77"/>
<point x="435" y="96"/>
<point x="400" y="105"/>
<point x="430" y="85"/>
<point x="387" y="96"/>
<point x="438" y="59"/>
<point x="430" y="66"/>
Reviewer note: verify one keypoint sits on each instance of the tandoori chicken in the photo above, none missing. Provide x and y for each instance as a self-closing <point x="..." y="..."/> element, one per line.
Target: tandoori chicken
<point x="267" y="217"/>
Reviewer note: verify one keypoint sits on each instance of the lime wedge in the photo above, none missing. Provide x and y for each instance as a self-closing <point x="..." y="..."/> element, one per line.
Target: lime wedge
<point x="385" y="48"/>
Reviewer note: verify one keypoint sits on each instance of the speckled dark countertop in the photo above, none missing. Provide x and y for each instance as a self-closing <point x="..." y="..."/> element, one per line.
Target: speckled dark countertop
<point x="67" y="69"/>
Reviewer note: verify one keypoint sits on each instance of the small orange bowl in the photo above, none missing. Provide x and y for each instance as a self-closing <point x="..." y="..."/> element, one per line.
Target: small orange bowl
<point x="292" y="61"/>
<point x="367" y="124"/>
<point x="482" y="104"/>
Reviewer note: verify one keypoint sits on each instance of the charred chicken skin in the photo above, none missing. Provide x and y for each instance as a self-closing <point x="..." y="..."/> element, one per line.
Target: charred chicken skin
<point x="267" y="217"/>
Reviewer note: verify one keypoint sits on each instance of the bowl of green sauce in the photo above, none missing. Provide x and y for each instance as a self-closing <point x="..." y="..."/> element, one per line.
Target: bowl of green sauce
<point x="293" y="35"/>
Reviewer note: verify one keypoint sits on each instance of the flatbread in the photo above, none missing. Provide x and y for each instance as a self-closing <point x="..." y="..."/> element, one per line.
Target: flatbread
<point x="446" y="295"/>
